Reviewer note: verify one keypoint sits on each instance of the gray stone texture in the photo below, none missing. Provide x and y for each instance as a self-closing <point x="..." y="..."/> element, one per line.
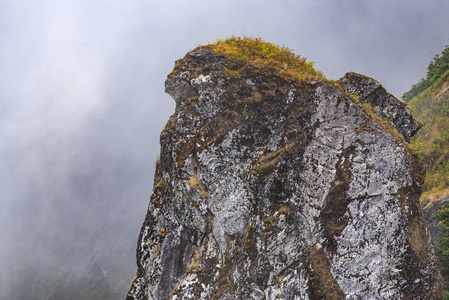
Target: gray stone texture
<point x="387" y="106"/>
<point x="268" y="189"/>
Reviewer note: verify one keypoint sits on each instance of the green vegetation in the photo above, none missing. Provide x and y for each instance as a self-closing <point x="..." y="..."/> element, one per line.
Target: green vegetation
<point x="368" y="108"/>
<point x="429" y="99"/>
<point x="431" y="107"/>
<point x="244" y="51"/>
<point x="442" y="244"/>
<point x="386" y="123"/>
<point x="354" y="99"/>
<point x="437" y="67"/>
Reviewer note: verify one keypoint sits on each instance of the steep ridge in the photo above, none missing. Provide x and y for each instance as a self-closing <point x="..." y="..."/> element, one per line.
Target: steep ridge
<point x="430" y="104"/>
<point x="273" y="184"/>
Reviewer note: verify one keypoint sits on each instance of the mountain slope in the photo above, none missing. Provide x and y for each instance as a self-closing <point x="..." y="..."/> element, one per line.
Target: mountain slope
<point x="431" y="107"/>
<point x="430" y="104"/>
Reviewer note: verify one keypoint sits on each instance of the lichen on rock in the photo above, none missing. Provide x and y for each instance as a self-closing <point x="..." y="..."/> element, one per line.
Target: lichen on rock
<point x="273" y="186"/>
<point x="369" y="90"/>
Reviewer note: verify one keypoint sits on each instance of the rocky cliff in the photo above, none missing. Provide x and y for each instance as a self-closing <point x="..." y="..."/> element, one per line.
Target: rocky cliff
<point x="389" y="108"/>
<point x="272" y="186"/>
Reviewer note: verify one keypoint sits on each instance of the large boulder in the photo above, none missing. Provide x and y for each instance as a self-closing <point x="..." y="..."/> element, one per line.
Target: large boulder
<point x="387" y="106"/>
<point x="269" y="187"/>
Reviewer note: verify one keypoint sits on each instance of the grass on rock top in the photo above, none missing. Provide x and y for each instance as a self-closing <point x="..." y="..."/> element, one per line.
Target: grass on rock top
<point x="268" y="56"/>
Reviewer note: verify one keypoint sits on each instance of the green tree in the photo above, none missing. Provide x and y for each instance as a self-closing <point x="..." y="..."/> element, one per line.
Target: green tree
<point x="437" y="67"/>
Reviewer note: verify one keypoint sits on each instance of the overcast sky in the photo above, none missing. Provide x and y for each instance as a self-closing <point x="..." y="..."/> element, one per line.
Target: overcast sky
<point x="82" y="98"/>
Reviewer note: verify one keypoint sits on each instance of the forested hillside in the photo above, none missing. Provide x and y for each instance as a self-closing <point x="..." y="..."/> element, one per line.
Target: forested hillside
<point x="437" y="67"/>
<point x="430" y="104"/>
<point x="429" y="100"/>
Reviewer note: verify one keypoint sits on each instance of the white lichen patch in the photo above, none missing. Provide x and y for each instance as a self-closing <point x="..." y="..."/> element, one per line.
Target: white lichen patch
<point x="200" y="80"/>
<point x="370" y="248"/>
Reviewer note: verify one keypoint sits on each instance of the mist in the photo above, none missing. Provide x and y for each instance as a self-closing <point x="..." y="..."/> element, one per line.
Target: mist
<point x="82" y="104"/>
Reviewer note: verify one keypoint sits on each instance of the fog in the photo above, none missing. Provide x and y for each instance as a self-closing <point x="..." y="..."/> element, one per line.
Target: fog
<point x="82" y="104"/>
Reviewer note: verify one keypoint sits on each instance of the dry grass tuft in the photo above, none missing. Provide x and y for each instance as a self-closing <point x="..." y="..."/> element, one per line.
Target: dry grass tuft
<point x="271" y="57"/>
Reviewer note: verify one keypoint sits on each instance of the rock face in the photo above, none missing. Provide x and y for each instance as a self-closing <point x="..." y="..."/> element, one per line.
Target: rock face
<point x="268" y="188"/>
<point x="430" y="209"/>
<point x="387" y="106"/>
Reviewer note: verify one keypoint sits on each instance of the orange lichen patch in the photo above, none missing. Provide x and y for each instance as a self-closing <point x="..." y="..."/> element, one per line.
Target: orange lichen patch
<point x="267" y="162"/>
<point x="195" y="262"/>
<point x="162" y="232"/>
<point x="195" y="183"/>
<point x="160" y="185"/>
<point x="159" y="189"/>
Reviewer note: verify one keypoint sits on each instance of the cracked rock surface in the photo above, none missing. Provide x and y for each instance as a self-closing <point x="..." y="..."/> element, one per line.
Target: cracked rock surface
<point x="275" y="189"/>
<point x="387" y="106"/>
